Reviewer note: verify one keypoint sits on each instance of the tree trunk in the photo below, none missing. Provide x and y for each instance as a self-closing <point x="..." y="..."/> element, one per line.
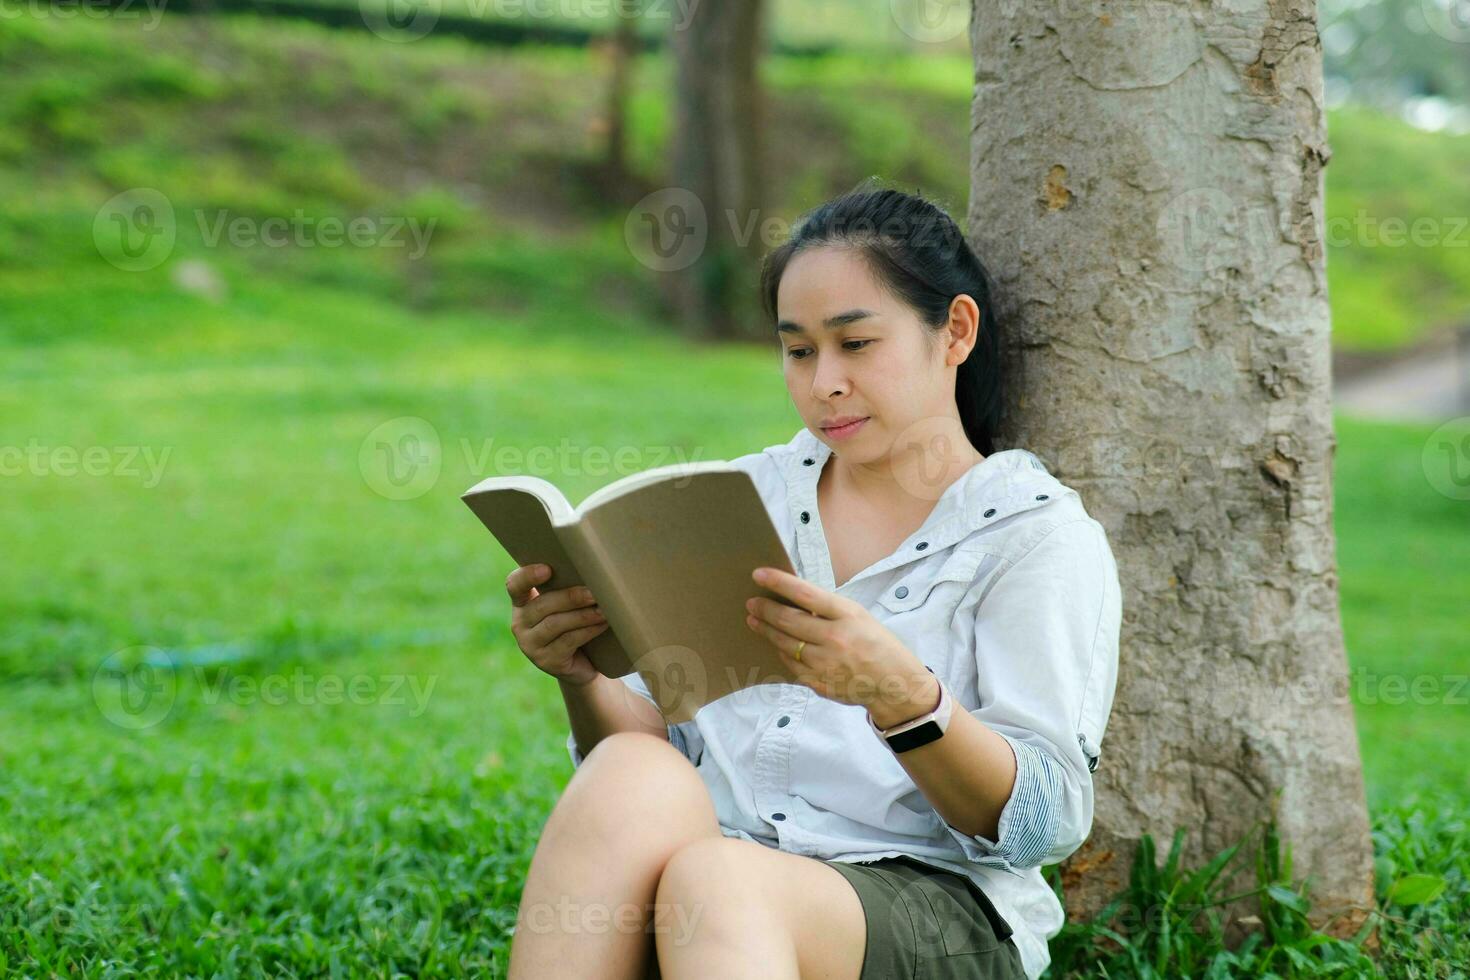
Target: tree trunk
<point x="1146" y="187"/>
<point x="621" y="52"/>
<point x="718" y="123"/>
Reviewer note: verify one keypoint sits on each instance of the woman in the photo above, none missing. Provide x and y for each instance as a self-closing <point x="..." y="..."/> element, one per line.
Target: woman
<point x="954" y="626"/>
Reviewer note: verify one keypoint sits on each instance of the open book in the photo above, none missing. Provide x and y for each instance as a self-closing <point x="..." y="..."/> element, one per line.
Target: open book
<point x="668" y="554"/>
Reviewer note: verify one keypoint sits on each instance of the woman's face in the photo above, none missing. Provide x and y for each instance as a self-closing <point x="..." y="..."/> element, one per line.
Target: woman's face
<point x="876" y="361"/>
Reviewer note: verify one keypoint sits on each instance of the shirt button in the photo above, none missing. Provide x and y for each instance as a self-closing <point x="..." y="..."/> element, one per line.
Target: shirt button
<point x="990" y="512"/>
<point x="1041" y="496"/>
<point x="778" y="816"/>
<point x="901" y="591"/>
<point x="921" y="546"/>
<point x="805" y="517"/>
<point x="785" y="719"/>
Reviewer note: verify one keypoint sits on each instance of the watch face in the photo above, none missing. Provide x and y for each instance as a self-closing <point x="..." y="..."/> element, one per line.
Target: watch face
<point x="915" y="737"/>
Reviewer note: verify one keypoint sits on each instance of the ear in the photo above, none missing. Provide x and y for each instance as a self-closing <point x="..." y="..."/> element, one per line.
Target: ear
<point x="964" y="329"/>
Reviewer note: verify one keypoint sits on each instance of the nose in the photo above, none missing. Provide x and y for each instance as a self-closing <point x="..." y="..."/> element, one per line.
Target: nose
<point x="828" y="380"/>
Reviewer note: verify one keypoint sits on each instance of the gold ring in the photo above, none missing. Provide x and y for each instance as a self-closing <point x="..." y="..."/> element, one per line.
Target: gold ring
<point x="799" y="647"/>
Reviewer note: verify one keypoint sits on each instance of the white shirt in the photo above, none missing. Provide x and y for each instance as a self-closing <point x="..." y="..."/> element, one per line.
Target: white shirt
<point x="1009" y="592"/>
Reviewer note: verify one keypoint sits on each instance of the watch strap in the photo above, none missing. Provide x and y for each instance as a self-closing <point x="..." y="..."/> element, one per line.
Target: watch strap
<point x="921" y="730"/>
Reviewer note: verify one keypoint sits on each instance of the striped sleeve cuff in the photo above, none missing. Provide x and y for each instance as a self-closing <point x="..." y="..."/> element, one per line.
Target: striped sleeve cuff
<point x="1031" y="819"/>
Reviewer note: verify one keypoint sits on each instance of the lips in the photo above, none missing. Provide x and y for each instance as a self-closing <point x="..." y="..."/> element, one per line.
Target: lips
<point x="844" y="426"/>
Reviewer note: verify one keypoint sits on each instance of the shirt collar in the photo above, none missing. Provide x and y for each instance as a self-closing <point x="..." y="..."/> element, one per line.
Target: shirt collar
<point x="1002" y="484"/>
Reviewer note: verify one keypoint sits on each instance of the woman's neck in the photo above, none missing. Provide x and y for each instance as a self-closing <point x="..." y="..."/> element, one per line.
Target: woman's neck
<point x="909" y="479"/>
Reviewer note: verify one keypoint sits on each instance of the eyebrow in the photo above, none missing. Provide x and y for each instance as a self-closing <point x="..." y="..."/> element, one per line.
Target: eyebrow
<point x="840" y="320"/>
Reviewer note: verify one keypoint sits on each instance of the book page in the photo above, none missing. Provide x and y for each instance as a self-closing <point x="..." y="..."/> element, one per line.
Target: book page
<point x="517" y="512"/>
<point x="683" y="552"/>
<point x="680" y="473"/>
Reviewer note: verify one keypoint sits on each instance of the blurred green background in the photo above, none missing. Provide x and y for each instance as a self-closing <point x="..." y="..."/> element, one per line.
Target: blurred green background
<point x="239" y="525"/>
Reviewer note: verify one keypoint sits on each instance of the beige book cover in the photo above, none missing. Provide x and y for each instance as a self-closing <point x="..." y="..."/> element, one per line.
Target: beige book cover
<point x="668" y="554"/>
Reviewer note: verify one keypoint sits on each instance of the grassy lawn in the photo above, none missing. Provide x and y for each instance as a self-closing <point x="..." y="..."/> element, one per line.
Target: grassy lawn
<point x="344" y="761"/>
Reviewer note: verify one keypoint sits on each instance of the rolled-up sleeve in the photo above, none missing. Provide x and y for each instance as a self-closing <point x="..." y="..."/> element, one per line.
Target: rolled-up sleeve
<point x="684" y="736"/>
<point x="1046" y="649"/>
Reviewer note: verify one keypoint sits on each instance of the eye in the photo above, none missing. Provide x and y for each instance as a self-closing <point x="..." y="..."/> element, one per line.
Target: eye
<point x="800" y="353"/>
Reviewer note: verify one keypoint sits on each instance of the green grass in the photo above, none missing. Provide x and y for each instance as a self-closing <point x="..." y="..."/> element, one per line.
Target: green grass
<point x="355" y="760"/>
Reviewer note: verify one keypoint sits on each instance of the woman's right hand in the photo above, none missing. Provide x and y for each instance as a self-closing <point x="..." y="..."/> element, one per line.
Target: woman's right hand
<point x="552" y="627"/>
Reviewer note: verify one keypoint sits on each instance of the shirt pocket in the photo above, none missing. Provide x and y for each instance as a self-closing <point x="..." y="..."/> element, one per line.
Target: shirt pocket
<point x="919" y="605"/>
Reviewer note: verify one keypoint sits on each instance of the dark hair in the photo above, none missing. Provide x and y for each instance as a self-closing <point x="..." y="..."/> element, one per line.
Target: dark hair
<point x="918" y="253"/>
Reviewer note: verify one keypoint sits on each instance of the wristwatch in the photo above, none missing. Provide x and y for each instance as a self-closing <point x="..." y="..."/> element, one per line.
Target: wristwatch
<point x="921" y="730"/>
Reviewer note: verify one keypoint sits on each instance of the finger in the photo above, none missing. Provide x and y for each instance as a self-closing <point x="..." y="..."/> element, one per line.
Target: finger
<point x="519" y="582"/>
<point x="794" y="622"/>
<point x="555" y="601"/>
<point x="800" y="670"/>
<point x="550" y="629"/>
<point x="570" y="641"/>
<point x="784" y="642"/>
<point x="812" y="598"/>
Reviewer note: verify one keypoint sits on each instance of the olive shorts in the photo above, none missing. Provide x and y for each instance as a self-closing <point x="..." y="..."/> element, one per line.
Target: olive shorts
<point x="925" y="923"/>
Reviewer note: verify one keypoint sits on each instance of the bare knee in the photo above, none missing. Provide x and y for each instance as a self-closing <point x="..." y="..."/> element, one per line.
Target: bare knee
<point x="633" y="784"/>
<point x="709" y="871"/>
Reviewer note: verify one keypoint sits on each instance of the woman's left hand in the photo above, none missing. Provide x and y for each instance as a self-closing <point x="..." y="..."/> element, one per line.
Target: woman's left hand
<point x="849" y="656"/>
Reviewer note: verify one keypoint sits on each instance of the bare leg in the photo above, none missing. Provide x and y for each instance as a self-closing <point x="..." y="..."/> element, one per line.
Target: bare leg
<point x="586" y="911"/>
<point x="752" y="911"/>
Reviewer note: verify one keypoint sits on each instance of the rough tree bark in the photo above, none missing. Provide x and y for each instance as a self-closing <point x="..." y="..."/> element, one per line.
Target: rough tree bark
<point x="1147" y="189"/>
<point x="717" y="157"/>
